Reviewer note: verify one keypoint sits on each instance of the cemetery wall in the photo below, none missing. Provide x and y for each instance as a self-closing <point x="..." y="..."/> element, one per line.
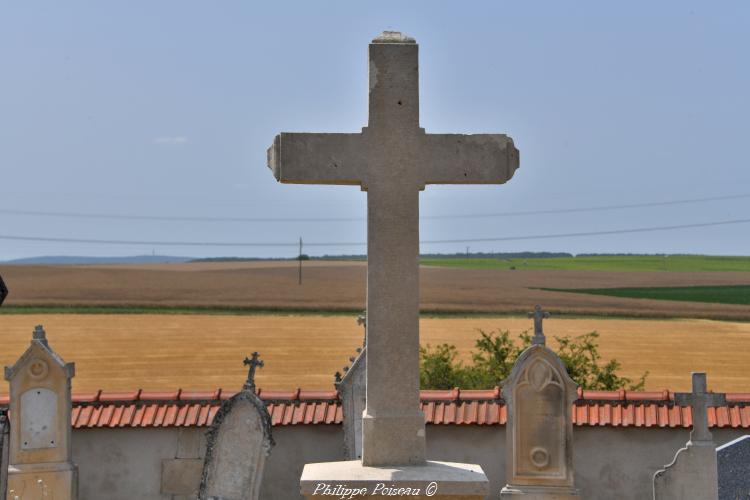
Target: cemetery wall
<point x="610" y="462"/>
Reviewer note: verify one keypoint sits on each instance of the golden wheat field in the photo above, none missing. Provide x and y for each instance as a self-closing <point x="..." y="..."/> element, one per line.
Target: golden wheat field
<point x="159" y="352"/>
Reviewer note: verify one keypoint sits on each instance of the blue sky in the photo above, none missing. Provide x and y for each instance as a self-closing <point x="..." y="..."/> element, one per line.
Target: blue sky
<point x="167" y="108"/>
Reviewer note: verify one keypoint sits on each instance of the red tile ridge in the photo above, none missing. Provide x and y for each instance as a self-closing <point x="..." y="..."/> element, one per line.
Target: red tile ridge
<point x="87" y="397"/>
<point x="160" y="395"/>
<point x="318" y="395"/>
<point x="646" y="395"/>
<point x="437" y="395"/>
<point x="118" y="396"/>
<point x="588" y="395"/>
<point x="200" y="395"/>
<point x="280" y="395"/>
<point x="481" y="394"/>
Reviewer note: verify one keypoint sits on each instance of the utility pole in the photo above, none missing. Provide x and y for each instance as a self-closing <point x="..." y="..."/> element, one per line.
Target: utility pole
<point x="467" y="252"/>
<point x="299" y="257"/>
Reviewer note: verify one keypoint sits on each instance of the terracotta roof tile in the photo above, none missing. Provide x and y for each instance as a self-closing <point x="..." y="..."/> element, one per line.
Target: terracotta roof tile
<point x="116" y="416"/>
<point x="105" y="417"/>
<point x="441" y="407"/>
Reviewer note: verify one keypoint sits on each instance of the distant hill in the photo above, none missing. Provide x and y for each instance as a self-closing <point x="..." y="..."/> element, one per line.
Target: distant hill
<point x="70" y="260"/>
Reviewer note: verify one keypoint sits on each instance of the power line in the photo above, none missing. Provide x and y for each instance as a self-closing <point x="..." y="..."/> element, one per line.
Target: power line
<point x="179" y="218"/>
<point x="350" y="243"/>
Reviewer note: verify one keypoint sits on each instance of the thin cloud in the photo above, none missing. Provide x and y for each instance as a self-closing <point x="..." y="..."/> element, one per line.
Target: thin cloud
<point x="171" y="141"/>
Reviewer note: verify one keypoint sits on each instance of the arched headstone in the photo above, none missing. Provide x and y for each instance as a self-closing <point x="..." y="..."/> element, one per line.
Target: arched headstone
<point x="539" y="431"/>
<point x="40" y="458"/>
<point x="237" y="445"/>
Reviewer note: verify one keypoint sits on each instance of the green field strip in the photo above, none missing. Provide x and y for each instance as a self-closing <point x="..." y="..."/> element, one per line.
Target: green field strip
<point x="724" y="294"/>
<point x="625" y="263"/>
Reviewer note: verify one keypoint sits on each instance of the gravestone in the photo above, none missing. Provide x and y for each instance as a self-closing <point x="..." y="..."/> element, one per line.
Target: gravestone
<point x="40" y="460"/>
<point x="539" y="431"/>
<point x="693" y="472"/>
<point x="237" y="445"/>
<point x="392" y="159"/>
<point x="351" y="388"/>
<point x="4" y="429"/>
<point x="733" y="460"/>
<point x="3" y="291"/>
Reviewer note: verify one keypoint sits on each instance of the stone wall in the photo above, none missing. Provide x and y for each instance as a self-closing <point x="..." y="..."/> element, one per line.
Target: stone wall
<point x="610" y="462"/>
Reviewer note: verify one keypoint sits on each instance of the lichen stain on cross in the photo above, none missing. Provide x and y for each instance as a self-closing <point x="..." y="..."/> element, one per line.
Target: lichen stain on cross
<point x="392" y="159"/>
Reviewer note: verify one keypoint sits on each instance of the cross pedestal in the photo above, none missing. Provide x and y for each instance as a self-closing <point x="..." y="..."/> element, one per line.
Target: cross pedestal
<point x="392" y="159"/>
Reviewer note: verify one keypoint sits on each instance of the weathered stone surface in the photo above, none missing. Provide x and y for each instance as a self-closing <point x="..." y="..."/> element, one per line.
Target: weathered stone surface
<point x="392" y="159"/>
<point x="237" y="445"/>
<point x="40" y="459"/>
<point x="733" y="460"/>
<point x="691" y="475"/>
<point x="181" y="476"/>
<point x="693" y="472"/>
<point x="539" y="431"/>
<point x="441" y="480"/>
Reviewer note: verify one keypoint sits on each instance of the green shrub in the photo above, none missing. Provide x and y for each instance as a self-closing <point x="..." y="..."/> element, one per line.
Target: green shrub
<point x="496" y="352"/>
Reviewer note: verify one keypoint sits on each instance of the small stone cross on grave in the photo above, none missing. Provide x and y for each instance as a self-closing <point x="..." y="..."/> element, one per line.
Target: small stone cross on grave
<point x="539" y="316"/>
<point x="253" y="363"/>
<point x="693" y="472"/>
<point x="392" y="159"/>
<point x="699" y="400"/>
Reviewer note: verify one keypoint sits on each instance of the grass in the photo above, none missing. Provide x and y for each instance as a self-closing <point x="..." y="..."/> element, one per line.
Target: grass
<point x="291" y="311"/>
<point x="642" y="263"/>
<point x="728" y="294"/>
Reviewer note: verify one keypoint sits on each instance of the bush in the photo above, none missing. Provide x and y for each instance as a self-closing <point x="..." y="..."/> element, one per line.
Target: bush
<point x="496" y="352"/>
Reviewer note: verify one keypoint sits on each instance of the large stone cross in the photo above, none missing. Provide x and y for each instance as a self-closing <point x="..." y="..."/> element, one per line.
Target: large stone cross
<point x="539" y="316"/>
<point x="700" y="399"/>
<point x="392" y="159"/>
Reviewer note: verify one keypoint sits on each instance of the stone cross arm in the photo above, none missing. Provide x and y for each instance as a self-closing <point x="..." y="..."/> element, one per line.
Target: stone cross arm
<point x="700" y="399"/>
<point x="368" y="158"/>
<point x="709" y="399"/>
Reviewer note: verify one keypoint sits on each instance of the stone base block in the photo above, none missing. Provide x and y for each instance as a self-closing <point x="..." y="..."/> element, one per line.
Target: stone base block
<point x="692" y="474"/>
<point x="45" y="480"/>
<point x="393" y="440"/>
<point x="540" y="492"/>
<point x="431" y="480"/>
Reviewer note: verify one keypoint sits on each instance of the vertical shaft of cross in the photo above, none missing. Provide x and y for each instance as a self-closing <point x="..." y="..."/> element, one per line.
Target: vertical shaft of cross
<point x="394" y="82"/>
<point x="393" y="420"/>
<point x="700" y="411"/>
